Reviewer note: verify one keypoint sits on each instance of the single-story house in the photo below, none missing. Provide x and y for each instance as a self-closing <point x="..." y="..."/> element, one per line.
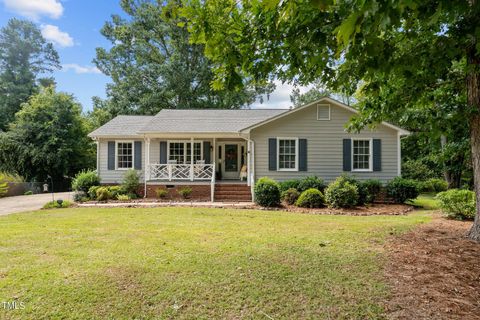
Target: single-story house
<point x="233" y="148"/>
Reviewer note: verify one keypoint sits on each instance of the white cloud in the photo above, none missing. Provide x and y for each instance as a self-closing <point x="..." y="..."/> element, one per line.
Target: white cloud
<point x="80" y="69"/>
<point x="34" y="9"/>
<point x="280" y="98"/>
<point x="56" y="36"/>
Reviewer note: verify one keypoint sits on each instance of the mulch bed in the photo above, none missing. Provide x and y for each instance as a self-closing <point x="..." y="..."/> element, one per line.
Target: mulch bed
<point x="434" y="273"/>
<point x="371" y="210"/>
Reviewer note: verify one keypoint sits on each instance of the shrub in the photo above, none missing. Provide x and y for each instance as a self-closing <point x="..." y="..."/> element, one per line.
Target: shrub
<point x="92" y="192"/>
<point x="28" y="193"/>
<point x="290" y="196"/>
<point x="267" y="192"/>
<point x="401" y="190"/>
<point x="116" y="191"/>
<point x="84" y="180"/>
<point x="161" y="193"/>
<point x="289" y="184"/>
<point x="371" y="188"/>
<point x="57" y="204"/>
<point x="433" y="185"/>
<point x="458" y="204"/>
<point x="3" y="189"/>
<point x="417" y="170"/>
<point x="311" y="198"/>
<point x="123" y="197"/>
<point x="311" y="182"/>
<point x="341" y="193"/>
<point x="79" y="196"/>
<point x="185" y="192"/>
<point x="103" y="194"/>
<point x="131" y="181"/>
<point x="132" y="196"/>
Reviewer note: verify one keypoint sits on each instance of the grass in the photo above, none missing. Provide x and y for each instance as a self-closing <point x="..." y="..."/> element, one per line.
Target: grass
<point x="426" y="201"/>
<point x="184" y="263"/>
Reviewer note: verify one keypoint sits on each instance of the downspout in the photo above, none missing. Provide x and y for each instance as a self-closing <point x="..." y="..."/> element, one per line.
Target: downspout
<point x="252" y="179"/>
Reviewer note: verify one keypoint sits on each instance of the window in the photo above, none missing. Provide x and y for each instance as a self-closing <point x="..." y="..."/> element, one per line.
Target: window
<point x="323" y="112"/>
<point x="287" y="154"/>
<point x="124" y="155"/>
<point x="181" y="151"/>
<point x="362" y="155"/>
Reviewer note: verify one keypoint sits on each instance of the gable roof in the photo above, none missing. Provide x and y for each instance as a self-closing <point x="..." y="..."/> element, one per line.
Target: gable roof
<point x="207" y="120"/>
<point x="328" y="100"/>
<point x="121" y="126"/>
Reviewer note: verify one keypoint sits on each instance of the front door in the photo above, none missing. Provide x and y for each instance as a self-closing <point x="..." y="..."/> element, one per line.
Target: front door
<point x="231" y="161"/>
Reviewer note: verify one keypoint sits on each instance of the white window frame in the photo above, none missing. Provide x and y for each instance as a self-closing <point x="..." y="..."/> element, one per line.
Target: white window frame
<point x="329" y="111"/>
<point x="278" y="153"/>
<point x="116" y="154"/>
<point x="370" y="159"/>
<point x="185" y="142"/>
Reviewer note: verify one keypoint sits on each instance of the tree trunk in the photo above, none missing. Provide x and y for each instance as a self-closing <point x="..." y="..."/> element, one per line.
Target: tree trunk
<point x="473" y="100"/>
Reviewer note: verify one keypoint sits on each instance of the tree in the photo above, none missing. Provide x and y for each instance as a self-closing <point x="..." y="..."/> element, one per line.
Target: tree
<point x="47" y="137"/>
<point x="153" y="65"/>
<point x="319" y="90"/>
<point x="24" y="54"/>
<point x="395" y="53"/>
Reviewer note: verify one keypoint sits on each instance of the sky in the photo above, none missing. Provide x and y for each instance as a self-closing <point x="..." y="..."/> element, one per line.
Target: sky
<point x="73" y="26"/>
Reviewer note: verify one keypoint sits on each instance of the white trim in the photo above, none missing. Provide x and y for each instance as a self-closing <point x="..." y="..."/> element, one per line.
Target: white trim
<point x="296" y="153"/>
<point x="185" y="149"/>
<point x="370" y="159"/>
<point x="324" y="99"/>
<point x="399" y="155"/>
<point x="329" y="111"/>
<point x="116" y="154"/>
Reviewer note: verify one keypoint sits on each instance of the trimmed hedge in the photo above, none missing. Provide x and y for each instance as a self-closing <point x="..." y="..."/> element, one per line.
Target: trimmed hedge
<point x="84" y="180"/>
<point x="433" y="185"/>
<point x="290" y="196"/>
<point x="267" y="192"/>
<point x="311" y="198"/>
<point x="458" y="204"/>
<point x="289" y="184"/>
<point x="341" y="193"/>
<point x="401" y="190"/>
<point x="312" y="182"/>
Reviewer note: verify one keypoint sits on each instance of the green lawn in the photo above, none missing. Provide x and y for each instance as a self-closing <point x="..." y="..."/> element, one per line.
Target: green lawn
<point x="426" y="201"/>
<point x="197" y="263"/>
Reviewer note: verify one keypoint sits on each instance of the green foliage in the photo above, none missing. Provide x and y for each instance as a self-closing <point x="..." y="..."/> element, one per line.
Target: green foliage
<point x="47" y="137"/>
<point x="123" y="197"/>
<point x="371" y="188"/>
<point x="290" y="196"/>
<point x="458" y="204"/>
<point x="288" y="184"/>
<point x="116" y="191"/>
<point x="185" y="192"/>
<point x="103" y="194"/>
<point x="132" y="196"/>
<point x="57" y="204"/>
<point x="401" y="189"/>
<point x="311" y="182"/>
<point x="341" y="193"/>
<point x="92" y="192"/>
<point x="28" y="193"/>
<point x="267" y="192"/>
<point x="84" y="180"/>
<point x="432" y="185"/>
<point x="3" y="189"/>
<point x="416" y="170"/>
<point x="131" y="181"/>
<point x="24" y="54"/>
<point x="161" y="193"/>
<point x="310" y="198"/>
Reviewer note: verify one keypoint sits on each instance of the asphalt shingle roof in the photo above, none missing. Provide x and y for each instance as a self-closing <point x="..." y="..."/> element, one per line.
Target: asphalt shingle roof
<point x="122" y="126"/>
<point x="206" y="121"/>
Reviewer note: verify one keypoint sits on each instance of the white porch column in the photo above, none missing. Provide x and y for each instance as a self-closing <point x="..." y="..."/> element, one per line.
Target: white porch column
<point x="191" y="159"/>
<point x="98" y="156"/>
<point x="248" y="162"/>
<point x="146" y="170"/>
<point x="252" y="174"/>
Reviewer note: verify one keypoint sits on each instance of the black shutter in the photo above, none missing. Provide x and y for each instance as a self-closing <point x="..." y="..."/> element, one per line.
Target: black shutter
<point x="206" y="152"/>
<point x="163" y="152"/>
<point x="272" y="154"/>
<point x="347" y="155"/>
<point x="302" y="154"/>
<point x="138" y="155"/>
<point x="377" y="155"/>
<point x="111" y="155"/>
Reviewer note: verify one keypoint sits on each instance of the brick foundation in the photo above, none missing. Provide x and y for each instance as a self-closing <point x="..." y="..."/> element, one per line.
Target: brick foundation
<point x="200" y="192"/>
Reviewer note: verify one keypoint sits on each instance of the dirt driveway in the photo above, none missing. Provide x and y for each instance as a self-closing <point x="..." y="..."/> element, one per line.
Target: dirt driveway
<point x="28" y="203"/>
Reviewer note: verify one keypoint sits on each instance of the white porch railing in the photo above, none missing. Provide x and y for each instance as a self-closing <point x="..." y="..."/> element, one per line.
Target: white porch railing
<point x="191" y="172"/>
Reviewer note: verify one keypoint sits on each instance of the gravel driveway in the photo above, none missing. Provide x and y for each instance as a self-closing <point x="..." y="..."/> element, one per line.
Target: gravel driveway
<point x="29" y="203"/>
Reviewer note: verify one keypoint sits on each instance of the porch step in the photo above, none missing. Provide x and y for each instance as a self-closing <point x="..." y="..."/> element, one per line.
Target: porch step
<point x="232" y="192"/>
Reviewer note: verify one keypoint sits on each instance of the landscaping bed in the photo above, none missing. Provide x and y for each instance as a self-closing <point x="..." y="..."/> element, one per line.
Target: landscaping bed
<point x="434" y="273"/>
<point x="370" y="210"/>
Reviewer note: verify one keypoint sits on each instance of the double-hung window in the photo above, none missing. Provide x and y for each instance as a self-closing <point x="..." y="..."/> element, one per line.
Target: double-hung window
<point x="287" y="154"/>
<point x="362" y="154"/>
<point x="182" y="152"/>
<point x="124" y="155"/>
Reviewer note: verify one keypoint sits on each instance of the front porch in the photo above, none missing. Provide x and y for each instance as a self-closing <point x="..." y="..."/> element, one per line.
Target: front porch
<point x="212" y="161"/>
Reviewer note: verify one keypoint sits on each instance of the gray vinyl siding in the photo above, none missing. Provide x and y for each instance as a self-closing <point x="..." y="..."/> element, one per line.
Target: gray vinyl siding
<point x="115" y="176"/>
<point x="325" y="145"/>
